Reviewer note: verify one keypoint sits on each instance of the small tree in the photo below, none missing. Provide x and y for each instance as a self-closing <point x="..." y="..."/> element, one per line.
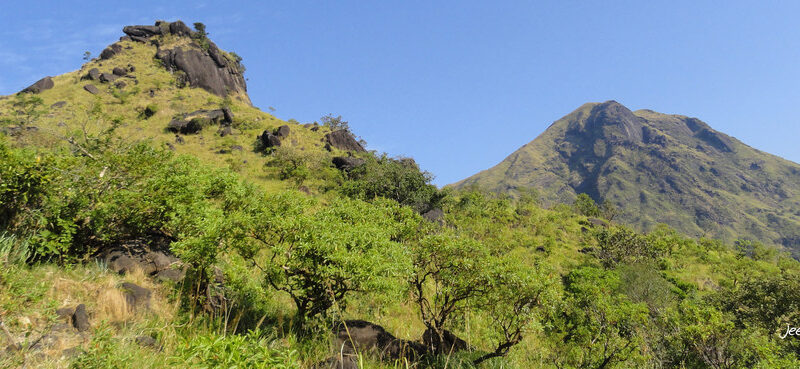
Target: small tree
<point x="584" y="205"/>
<point x="87" y="55"/>
<point x="201" y="30"/>
<point x="319" y="256"/>
<point x="29" y="107"/>
<point x="452" y="275"/>
<point x="597" y="327"/>
<point x="335" y="123"/>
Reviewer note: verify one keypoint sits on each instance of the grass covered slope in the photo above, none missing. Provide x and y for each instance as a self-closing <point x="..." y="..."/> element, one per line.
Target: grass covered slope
<point x="657" y="168"/>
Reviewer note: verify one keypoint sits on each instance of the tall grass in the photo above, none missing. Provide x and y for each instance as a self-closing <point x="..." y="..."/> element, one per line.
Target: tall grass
<point x="13" y="250"/>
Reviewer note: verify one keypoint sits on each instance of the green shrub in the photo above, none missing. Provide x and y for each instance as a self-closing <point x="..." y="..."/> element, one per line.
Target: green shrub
<point x="397" y="179"/>
<point x="250" y="350"/>
<point x="319" y="255"/>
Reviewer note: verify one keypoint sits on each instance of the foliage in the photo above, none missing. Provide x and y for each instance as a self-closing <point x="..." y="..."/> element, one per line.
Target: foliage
<point x="622" y="245"/>
<point x="24" y="178"/>
<point x="238" y="61"/>
<point x="454" y="275"/>
<point x="334" y="123"/>
<point x="294" y="164"/>
<point x="585" y="205"/>
<point x="598" y="327"/>
<point x="319" y="256"/>
<point x="397" y="179"/>
<point x="201" y="36"/>
<point x="27" y="108"/>
<point x="250" y="350"/>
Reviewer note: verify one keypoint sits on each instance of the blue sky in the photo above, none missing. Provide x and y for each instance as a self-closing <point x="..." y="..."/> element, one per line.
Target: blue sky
<point x="458" y="85"/>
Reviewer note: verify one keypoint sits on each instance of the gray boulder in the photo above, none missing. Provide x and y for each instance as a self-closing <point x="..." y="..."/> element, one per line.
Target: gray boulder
<point x="346" y="163"/>
<point x="92" y="75"/>
<point x="119" y="71"/>
<point x="142" y="31"/>
<point x="91" y="89"/>
<point x="45" y="83"/>
<point x="136" y="297"/>
<point x="282" y="131"/>
<point x="80" y="319"/>
<point x="178" y="28"/>
<point x="343" y="140"/>
<point x="267" y="140"/>
<point x="108" y="77"/>
<point x="110" y="51"/>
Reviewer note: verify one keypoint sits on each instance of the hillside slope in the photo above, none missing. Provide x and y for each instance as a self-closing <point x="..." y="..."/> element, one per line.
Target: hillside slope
<point x="658" y="168"/>
<point x="168" y="85"/>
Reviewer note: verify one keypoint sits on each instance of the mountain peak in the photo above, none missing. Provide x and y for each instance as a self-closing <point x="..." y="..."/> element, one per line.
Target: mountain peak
<point x="657" y="168"/>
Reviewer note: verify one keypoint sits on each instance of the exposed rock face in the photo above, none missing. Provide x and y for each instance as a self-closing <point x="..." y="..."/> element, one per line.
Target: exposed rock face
<point x="178" y="28"/>
<point x="108" y="77"/>
<point x="119" y="72"/>
<point x="343" y="140"/>
<point x="45" y="83"/>
<point x="282" y="131"/>
<point x="205" y="66"/>
<point x="208" y="70"/>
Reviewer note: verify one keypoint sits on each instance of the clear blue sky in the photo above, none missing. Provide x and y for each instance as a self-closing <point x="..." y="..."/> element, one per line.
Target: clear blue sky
<point x="458" y="85"/>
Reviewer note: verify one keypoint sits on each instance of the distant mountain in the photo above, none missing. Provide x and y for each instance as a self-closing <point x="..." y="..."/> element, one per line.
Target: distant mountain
<point x="658" y="168"/>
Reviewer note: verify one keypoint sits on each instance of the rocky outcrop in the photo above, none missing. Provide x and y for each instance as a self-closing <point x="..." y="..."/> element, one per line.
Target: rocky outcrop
<point x="45" y="83"/>
<point x="208" y="70"/>
<point x="342" y="140"/>
<point x="201" y="63"/>
<point x="80" y="319"/>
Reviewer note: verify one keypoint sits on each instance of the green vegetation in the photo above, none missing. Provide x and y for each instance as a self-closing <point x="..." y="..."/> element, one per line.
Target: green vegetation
<point x="299" y="245"/>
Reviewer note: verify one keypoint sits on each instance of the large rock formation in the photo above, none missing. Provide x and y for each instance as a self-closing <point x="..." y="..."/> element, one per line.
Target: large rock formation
<point x="199" y="63"/>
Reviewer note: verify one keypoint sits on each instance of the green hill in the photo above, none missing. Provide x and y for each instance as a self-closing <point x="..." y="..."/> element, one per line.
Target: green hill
<point x="657" y="168"/>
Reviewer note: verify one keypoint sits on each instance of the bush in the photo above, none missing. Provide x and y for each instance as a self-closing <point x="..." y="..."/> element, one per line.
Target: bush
<point x="397" y="179"/>
<point x="321" y="255"/>
<point x="250" y="350"/>
<point x="454" y="275"/>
